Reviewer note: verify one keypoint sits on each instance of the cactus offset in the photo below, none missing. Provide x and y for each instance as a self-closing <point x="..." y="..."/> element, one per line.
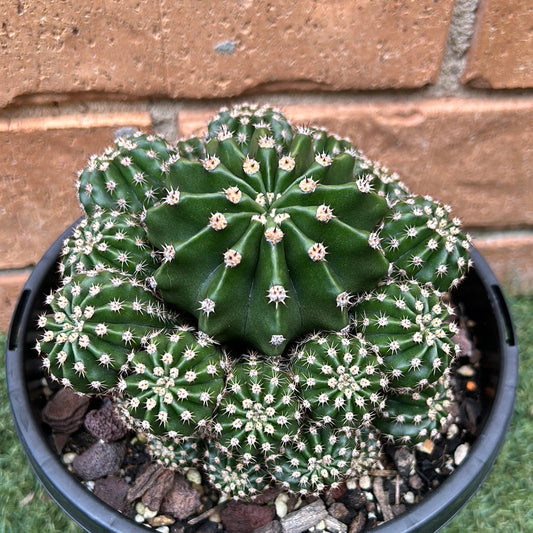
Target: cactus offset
<point x="174" y="385"/>
<point x="422" y="243"/>
<point x="258" y="412"/>
<point x="97" y="320"/>
<point x="322" y="458"/>
<point x="340" y="381"/>
<point x="409" y="327"/>
<point x="127" y="177"/>
<point x="268" y="237"/>
<point x="109" y="241"/>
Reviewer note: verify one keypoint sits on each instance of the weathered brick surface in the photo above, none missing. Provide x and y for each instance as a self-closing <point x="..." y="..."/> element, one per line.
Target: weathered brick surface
<point x="216" y="49"/>
<point x="65" y="47"/>
<point x="10" y="289"/>
<point x="510" y="257"/>
<point x="501" y="54"/>
<point x="41" y="157"/>
<point x="476" y="155"/>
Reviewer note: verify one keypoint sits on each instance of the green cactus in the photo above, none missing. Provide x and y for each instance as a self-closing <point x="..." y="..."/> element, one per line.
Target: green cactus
<point x="322" y="458"/>
<point x="340" y="381"/>
<point x="231" y="476"/>
<point x="409" y="327"/>
<point x="259" y="410"/>
<point x="128" y="177"/>
<point x="258" y="247"/>
<point x="241" y="121"/>
<point x="176" y="454"/>
<point x="109" y="241"/>
<point x="96" y="320"/>
<point x="285" y="240"/>
<point x="422" y="243"/>
<point x="411" y="417"/>
<point x="175" y="383"/>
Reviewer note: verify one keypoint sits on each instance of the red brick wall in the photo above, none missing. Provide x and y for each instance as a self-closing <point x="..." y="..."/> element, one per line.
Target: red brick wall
<point x="440" y="91"/>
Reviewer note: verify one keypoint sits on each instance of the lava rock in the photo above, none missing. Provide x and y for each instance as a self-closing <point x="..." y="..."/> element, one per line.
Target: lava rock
<point x="181" y="500"/>
<point x="105" y="424"/>
<point x="100" y="460"/>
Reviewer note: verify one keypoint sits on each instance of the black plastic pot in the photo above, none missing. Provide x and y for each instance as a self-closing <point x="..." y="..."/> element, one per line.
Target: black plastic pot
<point x="483" y="301"/>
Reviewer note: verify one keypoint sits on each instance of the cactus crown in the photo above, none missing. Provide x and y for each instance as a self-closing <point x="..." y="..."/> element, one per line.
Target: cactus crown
<point x="313" y="278"/>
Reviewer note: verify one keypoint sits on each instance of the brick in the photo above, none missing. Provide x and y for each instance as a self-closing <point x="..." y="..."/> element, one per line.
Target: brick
<point x="41" y="159"/>
<point x="510" y="258"/>
<point x="208" y="50"/>
<point x="474" y="154"/>
<point x="501" y="54"/>
<point x="10" y="288"/>
<point x="287" y="45"/>
<point x="63" y="47"/>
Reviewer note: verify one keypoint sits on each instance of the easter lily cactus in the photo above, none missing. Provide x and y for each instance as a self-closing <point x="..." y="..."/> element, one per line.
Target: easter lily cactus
<point x="262" y="300"/>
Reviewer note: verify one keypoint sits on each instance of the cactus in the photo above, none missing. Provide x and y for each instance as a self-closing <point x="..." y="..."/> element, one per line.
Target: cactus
<point x="410" y="328"/>
<point x="411" y="417"/>
<point x="321" y="458"/>
<point x="258" y="247"/>
<point x="340" y="381"/>
<point x="315" y="282"/>
<point x="97" y="319"/>
<point x="231" y="476"/>
<point x="258" y="412"/>
<point x="127" y="177"/>
<point x="174" y="385"/>
<point x="109" y="241"/>
<point x="422" y="242"/>
<point x="241" y="121"/>
<point x="178" y="454"/>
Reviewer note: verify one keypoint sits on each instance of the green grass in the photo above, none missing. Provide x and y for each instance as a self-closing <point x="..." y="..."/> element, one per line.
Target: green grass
<point x="503" y="504"/>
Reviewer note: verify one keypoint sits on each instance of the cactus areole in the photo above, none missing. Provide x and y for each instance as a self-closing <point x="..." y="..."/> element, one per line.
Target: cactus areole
<point x="258" y="301"/>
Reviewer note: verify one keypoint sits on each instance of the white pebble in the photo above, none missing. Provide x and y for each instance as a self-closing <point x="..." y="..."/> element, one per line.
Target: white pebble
<point x="461" y="452"/>
<point x="466" y="371"/>
<point x="140" y="508"/>
<point x="452" y="431"/>
<point x="163" y="529"/>
<point x="365" y="482"/>
<point x="139" y="518"/>
<point x="68" y="458"/>
<point x="281" y="504"/>
<point x="148" y="513"/>
<point x="351" y="483"/>
<point x="409" y="497"/>
<point x="194" y="476"/>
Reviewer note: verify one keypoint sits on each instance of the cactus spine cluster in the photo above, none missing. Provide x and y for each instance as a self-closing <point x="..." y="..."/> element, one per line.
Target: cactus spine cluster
<point x="264" y="301"/>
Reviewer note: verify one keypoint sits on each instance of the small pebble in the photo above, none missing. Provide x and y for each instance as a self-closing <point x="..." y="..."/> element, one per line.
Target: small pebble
<point x="427" y="446"/>
<point x="452" y="432"/>
<point x="281" y="504"/>
<point x="140" y="508"/>
<point x="148" y="513"/>
<point x="139" y="518"/>
<point x="409" y="497"/>
<point x="194" y="476"/>
<point x="460" y="453"/>
<point x="69" y="457"/>
<point x="351" y="483"/>
<point x="365" y="482"/>
<point x="215" y="517"/>
<point x="466" y="371"/>
<point x="163" y="529"/>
